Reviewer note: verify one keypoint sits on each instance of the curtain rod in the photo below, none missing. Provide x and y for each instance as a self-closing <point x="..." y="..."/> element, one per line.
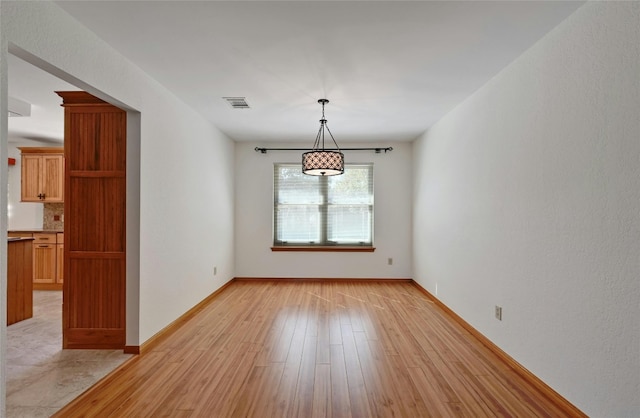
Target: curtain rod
<point x="378" y="150"/>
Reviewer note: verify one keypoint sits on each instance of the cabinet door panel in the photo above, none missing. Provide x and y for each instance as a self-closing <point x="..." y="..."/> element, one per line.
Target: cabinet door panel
<point x="30" y="180"/>
<point x="53" y="178"/>
<point x="44" y="263"/>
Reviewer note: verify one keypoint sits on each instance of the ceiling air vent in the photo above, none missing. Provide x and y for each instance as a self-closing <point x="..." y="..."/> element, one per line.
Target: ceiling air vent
<point x="237" y="102"/>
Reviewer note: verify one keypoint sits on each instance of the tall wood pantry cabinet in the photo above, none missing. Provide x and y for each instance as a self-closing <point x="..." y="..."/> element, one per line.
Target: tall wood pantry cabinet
<point x="94" y="296"/>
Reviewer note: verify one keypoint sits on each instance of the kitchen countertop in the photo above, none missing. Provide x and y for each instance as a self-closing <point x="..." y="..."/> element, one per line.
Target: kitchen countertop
<point x="37" y="230"/>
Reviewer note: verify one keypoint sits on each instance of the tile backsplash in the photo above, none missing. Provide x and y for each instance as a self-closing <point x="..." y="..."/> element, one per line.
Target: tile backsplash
<point x="53" y="216"/>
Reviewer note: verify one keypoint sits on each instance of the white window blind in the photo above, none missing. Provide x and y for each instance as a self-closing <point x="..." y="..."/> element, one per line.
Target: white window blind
<point x="317" y="210"/>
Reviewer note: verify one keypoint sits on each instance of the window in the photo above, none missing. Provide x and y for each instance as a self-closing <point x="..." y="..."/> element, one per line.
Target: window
<point x="323" y="211"/>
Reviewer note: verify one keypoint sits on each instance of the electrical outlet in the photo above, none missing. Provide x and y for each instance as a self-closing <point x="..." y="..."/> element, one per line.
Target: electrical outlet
<point x="390" y="261"/>
<point x="498" y="313"/>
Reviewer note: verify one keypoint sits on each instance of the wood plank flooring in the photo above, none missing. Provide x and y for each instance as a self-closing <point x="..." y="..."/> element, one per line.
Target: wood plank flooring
<point x="316" y="349"/>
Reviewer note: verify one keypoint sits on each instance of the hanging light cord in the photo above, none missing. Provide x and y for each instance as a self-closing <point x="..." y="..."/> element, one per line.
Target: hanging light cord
<point x="323" y="124"/>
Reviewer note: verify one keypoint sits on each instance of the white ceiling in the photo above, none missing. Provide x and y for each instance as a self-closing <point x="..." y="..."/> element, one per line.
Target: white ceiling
<point x="36" y="87"/>
<point x="389" y="68"/>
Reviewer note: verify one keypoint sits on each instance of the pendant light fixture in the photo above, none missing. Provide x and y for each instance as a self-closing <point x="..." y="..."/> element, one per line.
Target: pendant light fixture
<point x="320" y="161"/>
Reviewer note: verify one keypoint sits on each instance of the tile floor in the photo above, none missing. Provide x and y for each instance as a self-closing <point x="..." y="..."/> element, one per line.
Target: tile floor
<point x="41" y="377"/>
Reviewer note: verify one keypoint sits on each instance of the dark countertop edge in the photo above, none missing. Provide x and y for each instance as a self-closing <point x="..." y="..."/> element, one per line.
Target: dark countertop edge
<point x="38" y="231"/>
<point x="17" y="239"/>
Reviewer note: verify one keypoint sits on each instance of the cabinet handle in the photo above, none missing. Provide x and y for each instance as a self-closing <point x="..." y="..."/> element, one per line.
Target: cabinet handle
<point x="41" y="196"/>
<point x="43" y="246"/>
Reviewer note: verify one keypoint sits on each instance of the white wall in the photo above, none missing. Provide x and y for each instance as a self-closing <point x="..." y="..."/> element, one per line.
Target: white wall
<point x="392" y="218"/>
<point x="527" y="196"/>
<point x="4" y="173"/>
<point x="186" y="216"/>
<point x="186" y="166"/>
<point x="20" y="215"/>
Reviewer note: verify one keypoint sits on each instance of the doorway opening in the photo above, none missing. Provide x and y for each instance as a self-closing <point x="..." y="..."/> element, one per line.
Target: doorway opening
<point x="37" y="366"/>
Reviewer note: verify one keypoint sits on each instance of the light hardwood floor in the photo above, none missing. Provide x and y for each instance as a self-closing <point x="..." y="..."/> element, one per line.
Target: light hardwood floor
<point x="315" y="349"/>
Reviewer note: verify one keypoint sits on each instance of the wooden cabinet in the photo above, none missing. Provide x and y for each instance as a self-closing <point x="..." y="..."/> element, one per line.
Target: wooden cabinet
<point x="42" y="174"/>
<point x="94" y="297"/>
<point x="48" y="258"/>
<point x="44" y="258"/>
<point x="48" y="261"/>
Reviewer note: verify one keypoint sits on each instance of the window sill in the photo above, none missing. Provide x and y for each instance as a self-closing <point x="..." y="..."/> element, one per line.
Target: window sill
<point x="329" y="248"/>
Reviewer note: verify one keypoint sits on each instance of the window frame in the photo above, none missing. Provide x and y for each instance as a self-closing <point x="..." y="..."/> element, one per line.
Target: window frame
<point x="323" y="211"/>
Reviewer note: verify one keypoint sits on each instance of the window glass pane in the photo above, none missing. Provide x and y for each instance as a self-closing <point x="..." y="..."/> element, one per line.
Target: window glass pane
<point x="349" y="224"/>
<point x="353" y="187"/>
<point x="295" y="187"/>
<point x="298" y="223"/>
